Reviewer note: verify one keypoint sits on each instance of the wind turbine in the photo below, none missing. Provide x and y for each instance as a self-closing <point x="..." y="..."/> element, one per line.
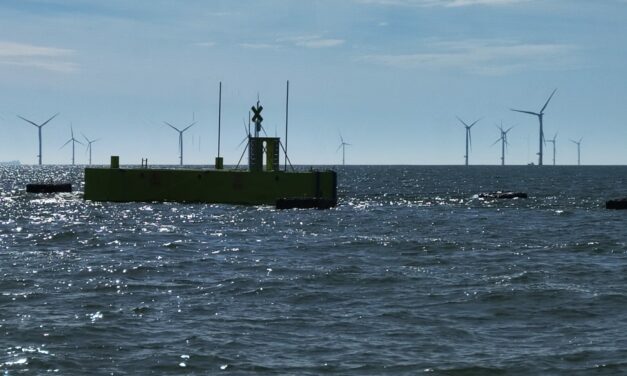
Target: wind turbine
<point x="468" y="137"/>
<point x="578" y="150"/>
<point x="180" y="138"/>
<point x="39" y="126"/>
<point x="503" y="140"/>
<point x="73" y="141"/>
<point x="540" y="116"/>
<point x="343" y="145"/>
<point x="553" y="141"/>
<point x="89" y="142"/>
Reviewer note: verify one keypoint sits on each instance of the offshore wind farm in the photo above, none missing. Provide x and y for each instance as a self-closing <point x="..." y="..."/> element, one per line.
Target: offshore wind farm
<point x="342" y="146"/>
<point x="422" y="221"/>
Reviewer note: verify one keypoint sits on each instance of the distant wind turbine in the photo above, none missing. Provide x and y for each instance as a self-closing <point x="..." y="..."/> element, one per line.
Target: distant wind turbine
<point x="553" y="141"/>
<point x="343" y="145"/>
<point x="73" y="141"/>
<point x="578" y="143"/>
<point x="39" y="126"/>
<point x="89" y="148"/>
<point x="540" y="116"/>
<point x="180" y="138"/>
<point x="468" y="136"/>
<point x="503" y="140"/>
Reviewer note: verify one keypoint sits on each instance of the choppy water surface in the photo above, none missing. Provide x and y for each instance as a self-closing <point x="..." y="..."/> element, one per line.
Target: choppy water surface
<point x="412" y="273"/>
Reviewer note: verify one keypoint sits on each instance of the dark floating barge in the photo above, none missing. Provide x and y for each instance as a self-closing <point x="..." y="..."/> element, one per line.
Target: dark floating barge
<point x="617" y="204"/>
<point x="48" y="187"/>
<point x="503" y="195"/>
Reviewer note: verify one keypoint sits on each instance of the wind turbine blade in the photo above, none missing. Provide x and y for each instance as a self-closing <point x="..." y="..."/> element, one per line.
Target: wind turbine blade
<point x="581" y="139"/>
<point x="171" y="126"/>
<point x="495" y="142"/>
<point x="525" y="112"/>
<point x="471" y="125"/>
<point x="339" y="147"/>
<point x="189" y="126"/>
<point x="509" y="129"/>
<point x="244" y="140"/>
<point x="28" y="121"/>
<point x="547" y="101"/>
<point x="46" y="122"/>
<point x="461" y="121"/>
<point x="68" y="141"/>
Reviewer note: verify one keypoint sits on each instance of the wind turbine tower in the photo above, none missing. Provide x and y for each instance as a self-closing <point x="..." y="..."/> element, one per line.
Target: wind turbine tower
<point x="180" y="138"/>
<point x="468" y="136"/>
<point x="73" y="141"/>
<point x="89" y="148"/>
<point x="343" y="145"/>
<point x="553" y="141"/>
<point x="540" y="116"/>
<point x="39" y="126"/>
<point x="578" y="143"/>
<point x="504" y="142"/>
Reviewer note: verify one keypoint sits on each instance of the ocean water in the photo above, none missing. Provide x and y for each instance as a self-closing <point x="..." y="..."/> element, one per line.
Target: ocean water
<point x="411" y="274"/>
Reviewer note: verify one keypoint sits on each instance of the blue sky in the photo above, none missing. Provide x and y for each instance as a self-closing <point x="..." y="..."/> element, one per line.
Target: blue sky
<point x="389" y="75"/>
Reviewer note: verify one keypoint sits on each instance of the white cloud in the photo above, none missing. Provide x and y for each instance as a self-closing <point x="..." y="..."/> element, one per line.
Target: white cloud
<point x="205" y="44"/>
<point x="442" y="3"/>
<point x="487" y="57"/>
<point x="31" y="56"/>
<point x="258" y="46"/>
<point x="313" y="41"/>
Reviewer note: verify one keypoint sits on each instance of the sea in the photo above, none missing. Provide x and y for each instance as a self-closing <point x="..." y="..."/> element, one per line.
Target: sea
<point x="412" y="273"/>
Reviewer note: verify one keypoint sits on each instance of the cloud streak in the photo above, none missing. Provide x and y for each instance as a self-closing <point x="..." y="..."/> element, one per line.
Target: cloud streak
<point x="38" y="57"/>
<point x="314" y="41"/>
<point x="442" y="3"/>
<point x="482" y="57"/>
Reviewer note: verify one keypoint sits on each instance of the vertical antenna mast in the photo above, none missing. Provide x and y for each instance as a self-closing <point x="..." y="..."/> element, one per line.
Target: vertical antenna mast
<point x="219" y="160"/>
<point x="287" y="101"/>
<point x="219" y="115"/>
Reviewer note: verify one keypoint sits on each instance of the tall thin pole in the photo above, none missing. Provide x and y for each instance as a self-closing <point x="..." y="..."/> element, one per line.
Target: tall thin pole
<point x="502" y="148"/>
<point x="541" y="139"/>
<point x="181" y="146"/>
<point x="287" y="101"/>
<point x="343" y="154"/>
<point x="219" y="115"/>
<point x="467" y="132"/>
<point x="39" y="144"/>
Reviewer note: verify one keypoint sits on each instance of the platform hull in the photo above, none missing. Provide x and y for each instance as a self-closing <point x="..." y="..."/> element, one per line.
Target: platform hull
<point x="209" y="186"/>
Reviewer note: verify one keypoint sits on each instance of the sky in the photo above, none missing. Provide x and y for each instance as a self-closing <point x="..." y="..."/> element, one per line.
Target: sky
<point x="389" y="76"/>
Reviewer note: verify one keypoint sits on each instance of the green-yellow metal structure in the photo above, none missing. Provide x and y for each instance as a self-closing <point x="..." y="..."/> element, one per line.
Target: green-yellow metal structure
<point x="262" y="184"/>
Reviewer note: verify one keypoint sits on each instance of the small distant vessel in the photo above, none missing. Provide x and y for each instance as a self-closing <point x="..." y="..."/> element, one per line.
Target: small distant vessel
<point x="503" y="195"/>
<point x="264" y="183"/>
<point x="616" y="204"/>
<point x="48" y="187"/>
